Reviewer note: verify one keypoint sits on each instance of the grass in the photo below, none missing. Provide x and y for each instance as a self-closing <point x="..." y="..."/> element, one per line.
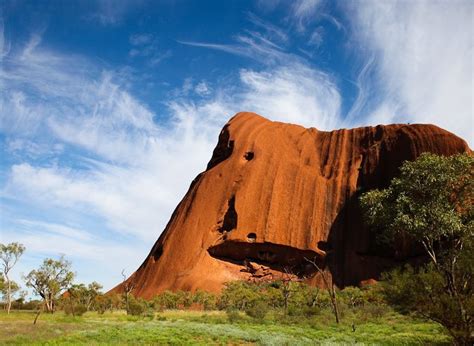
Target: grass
<point x="214" y="328"/>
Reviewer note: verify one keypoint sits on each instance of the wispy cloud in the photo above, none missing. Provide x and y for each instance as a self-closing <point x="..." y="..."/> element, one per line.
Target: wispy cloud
<point x="146" y="46"/>
<point x="295" y="93"/>
<point x="317" y="37"/>
<point x="303" y="12"/>
<point x="202" y="88"/>
<point x="273" y="31"/>
<point x="111" y="12"/>
<point x="253" y="45"/>
<point x="423" y="61"/>
<point x="140" y="39"/>
<point x="4" y="44"/>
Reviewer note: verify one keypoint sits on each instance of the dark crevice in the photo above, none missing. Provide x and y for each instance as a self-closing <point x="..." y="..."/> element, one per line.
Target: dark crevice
<point x="324" y="246"/>
<point x="223" y="150"/>
<point x="157" y="253"/>
<point x="249" y="155"/>
<point x="230" y="218"/>
<point x="282" y="258"/>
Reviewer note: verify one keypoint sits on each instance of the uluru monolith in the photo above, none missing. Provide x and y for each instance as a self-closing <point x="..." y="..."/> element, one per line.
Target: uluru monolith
<point x="274" y="195"/>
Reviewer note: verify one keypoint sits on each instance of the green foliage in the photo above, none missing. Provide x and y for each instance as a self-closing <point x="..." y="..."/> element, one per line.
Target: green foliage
<point x="233" y="315"/>
<point x="137" y="306"/>
<point x="85" y="295"/>
<point x="432" y="203"/>
<point x="53" y="277"/>
<point x="74" y="309"/>
<point x="9" y="255"/>
<point x="424" y="291"/>
<point x="257" y="309"/>
<point x="206" y="299"/>
<point x="80" y="298"/>
<point x="8" y="290"/>
<point x="239" y="295"/>
<point x="353" y="297"/>
<point x="195" y="328"/>
<point x="165" y="300"/>
<point x="108" y="302"/>
<point x="184" y="299"/>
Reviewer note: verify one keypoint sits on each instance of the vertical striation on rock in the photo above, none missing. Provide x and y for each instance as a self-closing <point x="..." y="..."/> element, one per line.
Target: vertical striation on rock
<point x="274" y="194"/>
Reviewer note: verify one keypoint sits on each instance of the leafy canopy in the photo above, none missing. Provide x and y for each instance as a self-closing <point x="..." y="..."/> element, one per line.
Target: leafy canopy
<point x="431" y="200"/>
<point x="53" y="277"/>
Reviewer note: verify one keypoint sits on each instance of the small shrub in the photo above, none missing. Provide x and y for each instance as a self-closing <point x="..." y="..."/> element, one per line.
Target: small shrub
<point x="137" y="307"/>
<point x="374" y="310"/>
<point x="75" y="309"/>
<point x="257" y="310"/>
<point x="233" y="315"/>
<point x="166" y="300"/>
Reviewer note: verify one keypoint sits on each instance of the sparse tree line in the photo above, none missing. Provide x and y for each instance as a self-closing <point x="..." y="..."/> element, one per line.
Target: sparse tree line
<point x="430" y="203"/>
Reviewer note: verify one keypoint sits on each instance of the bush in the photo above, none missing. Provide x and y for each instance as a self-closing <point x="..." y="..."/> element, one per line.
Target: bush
<point x="137" y="307"/>
<point x="233" y="315"/>
<point x="239" y="294"/>
<point x="352" y="296"/>
<point x="75" y="309"/>
<point x="258" y="309"/>
<point x="206" y="299"/>
<point x="165" y="300"/>
<point x="374" y="310"/>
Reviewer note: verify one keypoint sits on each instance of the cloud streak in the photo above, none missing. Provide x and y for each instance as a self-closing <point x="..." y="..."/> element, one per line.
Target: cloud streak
<point x="423" y="61"/>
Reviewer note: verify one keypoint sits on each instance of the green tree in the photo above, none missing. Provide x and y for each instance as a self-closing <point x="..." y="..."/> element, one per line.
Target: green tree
<point x="85" y="295"/>
<point x="8" y="291"/>
<point x="52" y="278"/>
<point x="81" y="298"/>
<point x="431" y="202"/>
<point x="9" y="255"/>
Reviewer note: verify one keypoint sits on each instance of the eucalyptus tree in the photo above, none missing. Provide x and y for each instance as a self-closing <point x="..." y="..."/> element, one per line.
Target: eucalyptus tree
<point x="9" y="255"/>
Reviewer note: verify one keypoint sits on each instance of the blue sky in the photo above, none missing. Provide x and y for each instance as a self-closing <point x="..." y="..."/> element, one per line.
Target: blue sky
<point x="108" y="109"/>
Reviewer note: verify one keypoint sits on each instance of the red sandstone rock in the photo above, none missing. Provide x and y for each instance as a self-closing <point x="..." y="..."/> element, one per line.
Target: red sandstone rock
<point x="274" y="194"/>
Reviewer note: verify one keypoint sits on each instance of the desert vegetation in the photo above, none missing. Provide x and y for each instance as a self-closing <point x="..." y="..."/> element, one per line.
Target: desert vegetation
<point x="242" y="313"/>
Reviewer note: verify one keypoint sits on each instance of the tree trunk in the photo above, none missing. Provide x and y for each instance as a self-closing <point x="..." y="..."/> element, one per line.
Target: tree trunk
<point x="330" y="288"/>
<point x="334" y="302"/>
<point x="9" y="294"/>
<point x="37" y="315"/>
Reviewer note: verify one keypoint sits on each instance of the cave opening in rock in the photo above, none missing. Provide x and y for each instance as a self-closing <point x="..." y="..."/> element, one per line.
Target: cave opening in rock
<point x="249" y="155"/>
<point x="278" y="257"/>
<point x="230" y="218"/>
<point x="251" y="237"/>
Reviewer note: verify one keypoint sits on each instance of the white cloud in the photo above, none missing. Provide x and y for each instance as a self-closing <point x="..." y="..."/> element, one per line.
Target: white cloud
<point x="140" y="39"/>
<point x="4" y="44"/>
<point x="111" y="12"/>
<point x="316" y="37"/>
<point x="146" y="46"/>
<point x="303" y="12"/>
<point x="270" y="29"/>
<point x="424" y="60"/>
<point x="252" y="45"/>
<point x="57" y="229"/>
<point x="294" y="93"/>
<point x="202" y="89"/>
<point x="93" y="258"/>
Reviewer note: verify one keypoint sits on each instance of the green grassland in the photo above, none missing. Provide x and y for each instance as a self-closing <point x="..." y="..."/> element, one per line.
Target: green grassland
<point x="177" y="327"/>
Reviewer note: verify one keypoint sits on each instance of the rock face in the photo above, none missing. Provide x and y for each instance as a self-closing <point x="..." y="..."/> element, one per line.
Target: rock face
<point x="274" y="195"/>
